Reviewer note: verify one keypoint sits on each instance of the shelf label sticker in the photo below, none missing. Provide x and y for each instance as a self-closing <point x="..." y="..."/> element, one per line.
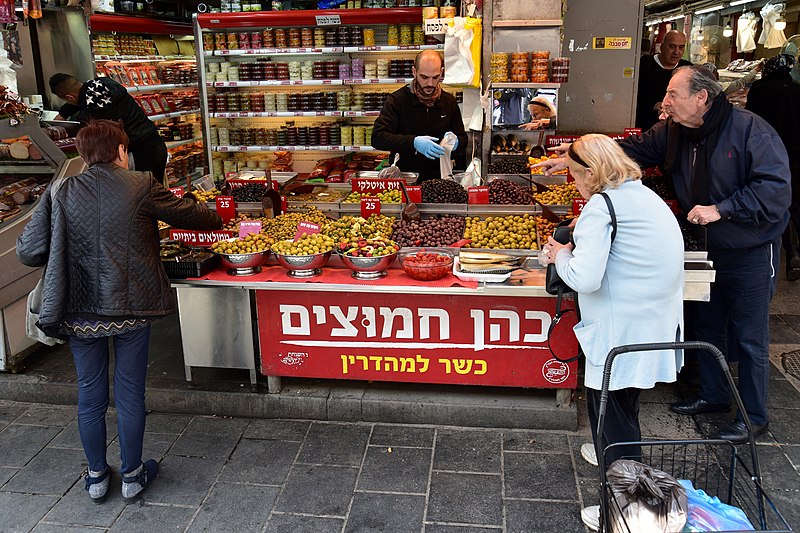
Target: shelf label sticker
<point x="306" y="228"/>
<point x="628" y="132"/>
<point x="235" y="184"/>
<point x="555" y="140"/>
<point x="414" y="193"/>
<point x="577" y="205"/>
<point x="199" y="238"/>
<point x="372" y="185"/>
<point x="328" y="20"/>
<point x="370" y="206"/>
<point x="612" y="43"/>
<point x="434" y="27"/>
<point x="478" y="195"/>
<point x="226" y="208"/>
<point x="177" y="191"/>
<point x="246" y="227"/>
<point x="232" y="84"/>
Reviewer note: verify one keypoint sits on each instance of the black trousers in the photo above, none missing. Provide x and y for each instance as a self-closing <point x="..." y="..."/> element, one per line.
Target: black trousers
<point x="621" y="423"/>
<point x="151" y="156"/>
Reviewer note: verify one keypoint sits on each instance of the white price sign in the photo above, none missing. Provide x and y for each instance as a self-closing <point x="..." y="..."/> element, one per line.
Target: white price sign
<point x="328" y="20"/>
<point x="436" y="26"/>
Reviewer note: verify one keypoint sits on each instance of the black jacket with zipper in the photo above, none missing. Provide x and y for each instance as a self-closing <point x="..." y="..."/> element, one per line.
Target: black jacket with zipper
<point x="99" y="239"/>
<point x="404" y="117"/>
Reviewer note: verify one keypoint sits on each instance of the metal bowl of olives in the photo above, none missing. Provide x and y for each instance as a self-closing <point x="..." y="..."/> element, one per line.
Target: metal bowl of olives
<point x="303" y="266"/>
<point x="368" y="258"/>
<point x="240" y="264"/>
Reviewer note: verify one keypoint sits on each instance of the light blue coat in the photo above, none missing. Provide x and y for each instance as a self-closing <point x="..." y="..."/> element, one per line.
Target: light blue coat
<point x="630" y="291"/>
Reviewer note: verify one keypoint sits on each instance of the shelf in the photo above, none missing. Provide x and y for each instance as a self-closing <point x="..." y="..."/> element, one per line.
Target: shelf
<point x="161" y="87"/>
<point x="521" y="23"/>
<point x="334" y="148"/>
<point x="142" y="59"/>
<point x="176" y="144"/>
<point x="510" y="85"/>
<point x="311" y="17"/>
<point x="39" y="167"/>
<point x="308" y="83"/>
<point x="138" y="24"/>
<point x="173" y="114"/>
<point x="288" y="114"/>
<point x="324" y="50"/>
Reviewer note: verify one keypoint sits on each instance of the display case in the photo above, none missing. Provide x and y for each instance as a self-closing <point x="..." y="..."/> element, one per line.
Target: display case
<point x="156" y="61"/>
<point x="28" y="161"/>
<point x="309" y="82"/>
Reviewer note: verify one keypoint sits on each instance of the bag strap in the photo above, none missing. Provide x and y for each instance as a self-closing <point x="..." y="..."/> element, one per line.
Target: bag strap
<point x="560" y="296"/>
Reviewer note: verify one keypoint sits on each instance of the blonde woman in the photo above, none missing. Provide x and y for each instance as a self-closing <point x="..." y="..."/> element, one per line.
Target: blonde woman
<point x="630" y="288"/>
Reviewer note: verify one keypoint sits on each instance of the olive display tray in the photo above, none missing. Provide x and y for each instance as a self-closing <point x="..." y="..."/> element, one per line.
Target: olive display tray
<point x="206" y="262"/>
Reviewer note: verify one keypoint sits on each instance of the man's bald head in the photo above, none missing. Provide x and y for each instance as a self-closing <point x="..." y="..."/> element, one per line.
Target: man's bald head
<point x="672" y="48"/>
<point x="430" y="58"/>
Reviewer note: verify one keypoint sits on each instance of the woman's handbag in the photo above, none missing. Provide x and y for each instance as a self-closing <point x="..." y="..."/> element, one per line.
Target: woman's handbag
<point x="32" y="331"/>
<point x="556" y="286"/>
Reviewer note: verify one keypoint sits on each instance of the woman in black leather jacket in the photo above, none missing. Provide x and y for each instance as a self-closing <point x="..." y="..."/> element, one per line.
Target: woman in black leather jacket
<point x="98" y="236"/>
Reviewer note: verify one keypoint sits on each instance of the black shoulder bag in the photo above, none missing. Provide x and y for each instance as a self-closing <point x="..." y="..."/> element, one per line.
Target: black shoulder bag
<point x="555" y="285"/>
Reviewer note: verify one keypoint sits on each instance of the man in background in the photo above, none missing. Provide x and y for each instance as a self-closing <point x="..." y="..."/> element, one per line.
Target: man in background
<point x="104" y="98"/>
<point x="654" y="75"/>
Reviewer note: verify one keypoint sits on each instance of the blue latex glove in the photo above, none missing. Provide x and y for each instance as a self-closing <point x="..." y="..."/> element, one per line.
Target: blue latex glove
<point x="455" y="147"/>
<point x="427" y="146"/>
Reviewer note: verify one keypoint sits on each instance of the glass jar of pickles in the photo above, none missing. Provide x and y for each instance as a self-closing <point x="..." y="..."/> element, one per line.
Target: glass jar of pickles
<point x="499" y="67"/>
<point x="519" y="67"/>
<point x="392" y="35"/>
<point x="369" y="37"/>
<point x="406" y="34"/>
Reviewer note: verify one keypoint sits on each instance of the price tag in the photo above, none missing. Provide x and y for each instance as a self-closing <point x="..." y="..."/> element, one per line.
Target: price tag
<point x="328" y="20"/>
<point x="305" y="227"/>
<point x="627" y="132"/>
<point x="673" y="205"/>
<point x="436" y="26"/>
<point x="577" y="206"/>
<point x="478" y="195"/>
<point x="414" y="193"/>
<point x="177" y="191"/>
<point x="370" y="206"/>
<point x="226" y="208"/>
<point x="249" y="226"/>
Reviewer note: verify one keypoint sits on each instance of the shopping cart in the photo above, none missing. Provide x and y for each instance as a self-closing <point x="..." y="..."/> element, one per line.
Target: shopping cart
<point x="713" y="465"/>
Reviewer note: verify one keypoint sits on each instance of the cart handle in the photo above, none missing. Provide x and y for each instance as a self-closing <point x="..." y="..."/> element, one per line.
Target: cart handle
<point x="650" y="347"/>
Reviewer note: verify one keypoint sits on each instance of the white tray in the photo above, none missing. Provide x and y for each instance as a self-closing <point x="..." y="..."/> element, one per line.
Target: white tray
<point x="471" y="276"/>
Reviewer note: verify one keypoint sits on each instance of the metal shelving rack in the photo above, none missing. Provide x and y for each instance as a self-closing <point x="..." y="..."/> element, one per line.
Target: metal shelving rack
<point x="217" y="22"/>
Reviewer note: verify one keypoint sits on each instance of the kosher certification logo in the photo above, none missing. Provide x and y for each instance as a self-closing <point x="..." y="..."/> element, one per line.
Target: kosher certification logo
<point x="555" y="371"/>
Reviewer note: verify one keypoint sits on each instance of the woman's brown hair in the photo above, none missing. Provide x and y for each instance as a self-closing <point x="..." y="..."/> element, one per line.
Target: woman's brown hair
<point x="99" y="141"/>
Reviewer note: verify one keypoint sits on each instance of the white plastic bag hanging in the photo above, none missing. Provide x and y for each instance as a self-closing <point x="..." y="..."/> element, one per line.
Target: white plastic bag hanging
<point x="459" y="48"/>
<point x="445" y="163"/>
<point x="472" y="176"/>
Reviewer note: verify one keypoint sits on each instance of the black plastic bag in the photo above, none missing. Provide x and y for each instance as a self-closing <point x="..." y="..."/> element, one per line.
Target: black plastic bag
<point x="651" y="501"/>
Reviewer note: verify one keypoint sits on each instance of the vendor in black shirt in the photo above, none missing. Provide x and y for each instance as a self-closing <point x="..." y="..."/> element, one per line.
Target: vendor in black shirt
<point x="416" y="118"/>
<point x="654" y="75"/>
<point x="104" y="98"/>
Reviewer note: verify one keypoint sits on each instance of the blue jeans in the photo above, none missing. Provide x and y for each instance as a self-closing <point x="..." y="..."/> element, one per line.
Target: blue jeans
<point x="130" y="370"/>
<point x="736" y="321"/>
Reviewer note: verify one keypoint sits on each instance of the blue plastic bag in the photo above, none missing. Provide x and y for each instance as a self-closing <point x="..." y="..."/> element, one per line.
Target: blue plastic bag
<point x="707" y="513"/>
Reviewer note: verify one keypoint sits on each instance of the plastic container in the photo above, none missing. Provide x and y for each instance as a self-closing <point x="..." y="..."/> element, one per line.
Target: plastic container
<point x="426" y="264"/>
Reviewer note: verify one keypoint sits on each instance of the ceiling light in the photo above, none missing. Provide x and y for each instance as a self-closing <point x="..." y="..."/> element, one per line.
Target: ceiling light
<point x="739" y="2"/>
<point x="676" y="17"/>
<point x="709" y="9"/>
<point x="780" y="24"/>
<point x="727" y="31"/>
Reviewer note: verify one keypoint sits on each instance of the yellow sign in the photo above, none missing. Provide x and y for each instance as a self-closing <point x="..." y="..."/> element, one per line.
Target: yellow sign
<point x="627" y="72"/>
<point x="612" y="43"/>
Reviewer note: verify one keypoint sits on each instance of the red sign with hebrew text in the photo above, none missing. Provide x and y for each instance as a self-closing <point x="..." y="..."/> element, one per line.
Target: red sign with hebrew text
<point x="427" y="338"/>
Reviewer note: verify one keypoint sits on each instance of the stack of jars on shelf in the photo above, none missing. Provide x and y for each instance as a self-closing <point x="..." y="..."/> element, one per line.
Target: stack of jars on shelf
<point x="528" y="67"/>
<point x="320" y="135"/>
<point x="331" y="69"/>
<point x="123" y="44"/>
<point x="560" y="70"/>
<point x="236" y="101"/>
<point x="499" y="65"/>
<point x="177" y="131"/>
<point x="318" y="37"/>
<point x="540" y="67"/>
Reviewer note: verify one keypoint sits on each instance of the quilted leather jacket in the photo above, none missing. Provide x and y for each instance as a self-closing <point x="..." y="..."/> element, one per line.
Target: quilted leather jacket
<point x="99" y="239"/>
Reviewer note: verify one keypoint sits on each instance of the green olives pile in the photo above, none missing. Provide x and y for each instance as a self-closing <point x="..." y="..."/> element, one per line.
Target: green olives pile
<point x="516" y="232"/>
<point x="559" y="194"/>
<point x="393" y="196"/>
<point x="284" y="226"/>
<point x="353" y="227"/>
<point x="205" y="196"/>
<point x="313" y="244"/>
<point x="252" y="243"/>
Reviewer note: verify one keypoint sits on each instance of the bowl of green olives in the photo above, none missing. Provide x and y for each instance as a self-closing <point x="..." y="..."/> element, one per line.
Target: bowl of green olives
<point x="304" y="257"/>
<point x="243" y="256"/>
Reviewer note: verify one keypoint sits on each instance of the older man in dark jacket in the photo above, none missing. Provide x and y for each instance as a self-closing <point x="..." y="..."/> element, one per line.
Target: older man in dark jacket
<point x="731" y="176"/>
<point x="98" y="236"/>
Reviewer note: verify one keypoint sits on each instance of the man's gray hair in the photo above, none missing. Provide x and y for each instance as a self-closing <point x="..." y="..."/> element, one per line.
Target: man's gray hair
<point x="701" y="78"/>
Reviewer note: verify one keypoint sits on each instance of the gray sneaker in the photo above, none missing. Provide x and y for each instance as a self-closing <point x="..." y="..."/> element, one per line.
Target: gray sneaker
<point x="135" y="482"/>
<point x="97" y="485"/>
